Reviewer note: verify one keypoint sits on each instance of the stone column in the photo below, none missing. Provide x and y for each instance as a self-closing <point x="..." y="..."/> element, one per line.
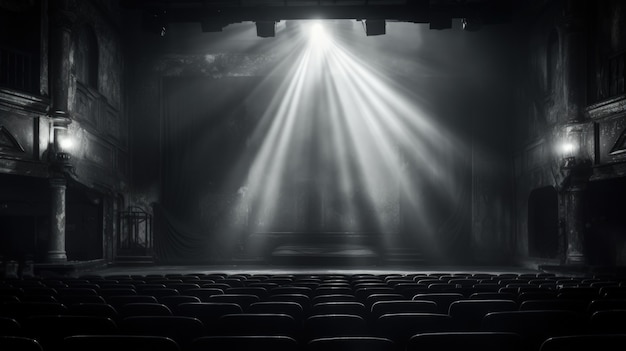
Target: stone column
<point x="575" y="225"/>
<point x="574" y="61"/>
<point x="56" y="248"/>
<point x="60" y="38"/>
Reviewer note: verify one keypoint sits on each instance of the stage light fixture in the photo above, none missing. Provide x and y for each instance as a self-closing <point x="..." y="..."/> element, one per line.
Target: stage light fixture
<point x="266" y="29"/>
<point x="440" y="20"/>
<point x="471" y="24"/>
<point x="375" y="27"/>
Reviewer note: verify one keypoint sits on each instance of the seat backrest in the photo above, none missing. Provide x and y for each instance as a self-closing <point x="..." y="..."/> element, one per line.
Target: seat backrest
<point x="384" y="307"/>
<point x="343" y="307"/>
<point x="181" y="329"/>
<point x="401" y="326"/>
<point x="483" y="341"/>
<point x="243" y="300"/>
<point x="246" y="342"/>
<point x="331" y="325"/>
<point x="534" y="326"/>
<point x="144" y="309"/>
<point x="118" y="342"/>
<point x="361" y="343"/>
<point x="292" y="309"/>
<point x="50" y="330"/>
<point x="468" y="314"/>
<point x="608" y="321"/>
<point x="10" y="327"/>
<point x="208" y="312"/>
<point x="443" y="299"/>
<point x="172" y="302"/>
<point x="18" y="343"/>
<point x="257" y="324"/>
<point x="585" y="342"/>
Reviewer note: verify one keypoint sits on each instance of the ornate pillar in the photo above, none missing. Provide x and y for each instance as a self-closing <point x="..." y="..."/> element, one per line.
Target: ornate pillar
<point x="60" y="40"/>
<point x="574" y="60"/>
<point x="575" y="225"/>
<point x="61" y="23"/>
<point x="56" y="249"/>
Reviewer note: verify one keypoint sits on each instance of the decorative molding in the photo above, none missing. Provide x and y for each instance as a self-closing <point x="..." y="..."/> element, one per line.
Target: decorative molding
<point x="8" y="142"/>
<point x="16" y="101"/>
<point x="607" y="108"/>
<point x="619" y="147"/>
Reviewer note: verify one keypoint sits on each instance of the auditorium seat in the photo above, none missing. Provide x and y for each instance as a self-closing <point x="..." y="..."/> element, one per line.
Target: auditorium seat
<point x="458" y="341"/>
<point x="208" y="312"/>
<point x="608" y="322"/>
<point x="17" y="343"/>
<point x="257" y="324"/>
<point x="302" y="300"/>
<point x="292" y="309"/>
<point x="257" y="291"/>
<point x="172" y="302"/>
<point x="384" y="307"/>
<point x="585" y="342"/>
<point x="143" y="309"/>
<point x="578" y="306"/>
<point x="92" y="309"/>
<point x="333" y="298"/>
<point x="243" y="300"/>
<point x="534" y="326"/>
<point x="291" y="290"/>
<point x="343" y="307"/>
<point x="118" y="301"/>
<point x="606" y="304"/>
<point x="10" y="327"/>
<point x="204" y="293"/>
<point x="443" y="300"/>
<point x="467" y="315"/>
<point x="22" y="310"/>
<point x="118" y="342"/>
<point x="399" y="327"/>
<point x="246" y="342"/>
<point x="181" y="329"/>
<point x="50" y="330"/>
<point x="352" y="343"/>
<point x="38" y="298"/>
<point x="331" y="325"/>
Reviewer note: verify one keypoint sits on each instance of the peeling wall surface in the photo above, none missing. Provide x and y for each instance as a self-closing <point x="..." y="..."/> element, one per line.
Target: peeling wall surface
<point x="569" y="119"/>
<point x="95" y="136"/>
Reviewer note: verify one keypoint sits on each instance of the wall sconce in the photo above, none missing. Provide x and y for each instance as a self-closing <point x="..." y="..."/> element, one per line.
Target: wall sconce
<point x="570" y="147"/>
<point x="60" y="141"/>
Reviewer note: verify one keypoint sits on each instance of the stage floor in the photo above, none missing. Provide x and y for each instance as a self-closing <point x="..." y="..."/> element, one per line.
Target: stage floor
<point x="287" y="269"/>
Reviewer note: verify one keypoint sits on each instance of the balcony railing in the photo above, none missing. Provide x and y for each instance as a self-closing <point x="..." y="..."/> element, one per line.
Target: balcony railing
<point x="19" y="70"/>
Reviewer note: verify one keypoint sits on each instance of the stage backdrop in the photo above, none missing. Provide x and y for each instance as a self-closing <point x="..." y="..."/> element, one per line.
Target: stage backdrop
<point x="212" y="130"/>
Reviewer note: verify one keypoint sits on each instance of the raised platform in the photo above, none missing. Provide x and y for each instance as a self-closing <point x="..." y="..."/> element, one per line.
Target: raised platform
<point x="325" y="254"/>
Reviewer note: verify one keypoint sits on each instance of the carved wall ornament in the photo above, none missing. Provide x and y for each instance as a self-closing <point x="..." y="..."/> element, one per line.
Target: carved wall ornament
<point x="8" y="142"/>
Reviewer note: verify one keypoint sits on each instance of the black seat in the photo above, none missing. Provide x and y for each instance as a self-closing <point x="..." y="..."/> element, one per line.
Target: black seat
<point x="17" y="343"/>
<point x="348" y="343"/>
<point x="181" y="329"/>
<point x="585" y="342"/>
<point x="245" y="342"/>
<point x="483" y="341"/>
<point x="257" y="324"/>
<point x="118" y="342"/>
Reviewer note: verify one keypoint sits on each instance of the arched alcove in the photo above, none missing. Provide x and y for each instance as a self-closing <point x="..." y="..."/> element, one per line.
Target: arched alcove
<point x="543" y="223"/>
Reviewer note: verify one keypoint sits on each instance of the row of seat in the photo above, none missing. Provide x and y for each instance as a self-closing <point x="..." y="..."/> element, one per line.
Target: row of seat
<point x="119" y="307"/>
<point x="484" y="341"/>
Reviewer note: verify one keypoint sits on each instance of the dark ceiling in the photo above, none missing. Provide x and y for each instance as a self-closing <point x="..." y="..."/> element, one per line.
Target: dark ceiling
<point x="216" y="14"/>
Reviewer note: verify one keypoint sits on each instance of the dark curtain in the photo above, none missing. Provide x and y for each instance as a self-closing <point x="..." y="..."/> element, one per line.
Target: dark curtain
<point x="205" y="127"/>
